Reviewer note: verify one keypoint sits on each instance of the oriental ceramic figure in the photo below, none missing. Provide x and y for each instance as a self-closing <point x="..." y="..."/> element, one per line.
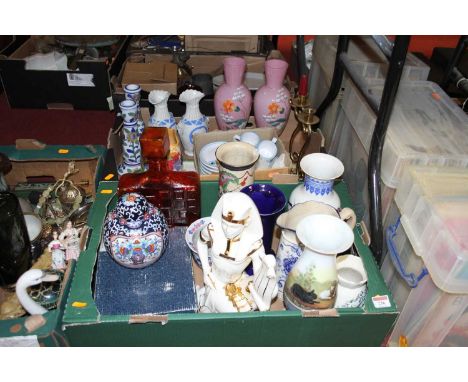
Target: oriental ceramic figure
<point x="234" y="238"/>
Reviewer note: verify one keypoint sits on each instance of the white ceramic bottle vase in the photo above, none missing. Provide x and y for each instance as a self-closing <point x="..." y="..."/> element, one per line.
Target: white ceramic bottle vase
<point x="161" y="116"/>
<point x="193" y="122"/>
<point x="320" y="171"/>
<point x="312" y="282"/>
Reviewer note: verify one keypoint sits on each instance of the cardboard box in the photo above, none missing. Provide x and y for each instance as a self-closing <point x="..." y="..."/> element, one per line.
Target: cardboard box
<point x="33" y="159"/>
<point x="85" y="326"/>
<point x="224" y="43"/>
<point x="30" y="158"/>
<point x="200" y="63"/>
<point x="115" y="143"/>
<point x="86" y="88"/>
<point x="151" y="76"/>
<point x="214" y="135"/>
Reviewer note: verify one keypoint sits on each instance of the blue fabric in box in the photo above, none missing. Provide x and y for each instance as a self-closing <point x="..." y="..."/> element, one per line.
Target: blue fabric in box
<point x="166" y="286"/>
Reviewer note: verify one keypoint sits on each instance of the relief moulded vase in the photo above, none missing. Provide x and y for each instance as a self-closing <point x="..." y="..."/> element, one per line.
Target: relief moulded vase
<point x="193" y="121"/>
<point x="233" y="100"/>
<point x="271" y="102"/>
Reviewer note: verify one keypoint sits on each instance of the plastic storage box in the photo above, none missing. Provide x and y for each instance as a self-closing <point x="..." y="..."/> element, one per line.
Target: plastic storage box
<point x="347" y="146"/>
<point x="428" y="248"/>
<point x="367" y="59"/>
<point x="426" y="127"/>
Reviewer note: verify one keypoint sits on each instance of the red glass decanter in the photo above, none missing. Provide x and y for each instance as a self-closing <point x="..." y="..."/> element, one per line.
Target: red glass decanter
<point x="175" y="193"/>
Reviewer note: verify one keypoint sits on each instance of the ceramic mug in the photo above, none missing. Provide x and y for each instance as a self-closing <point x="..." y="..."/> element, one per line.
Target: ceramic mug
<point x="129" y="110"/>
<point x="352" y="282"/>
<point x="267" y="150"/>
<point x="287" y="254"/>
<point x="236" y="162"/>
<point x="248" y="137"/>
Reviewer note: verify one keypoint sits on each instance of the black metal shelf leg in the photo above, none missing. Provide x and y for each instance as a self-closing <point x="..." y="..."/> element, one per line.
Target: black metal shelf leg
<point x="392" y="82"/>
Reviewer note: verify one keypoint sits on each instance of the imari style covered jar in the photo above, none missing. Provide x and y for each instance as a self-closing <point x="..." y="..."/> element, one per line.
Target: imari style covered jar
<point x="135" y="232"/>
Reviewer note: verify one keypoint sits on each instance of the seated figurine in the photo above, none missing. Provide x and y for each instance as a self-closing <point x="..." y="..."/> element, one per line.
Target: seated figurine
<point x="234" y="238"/>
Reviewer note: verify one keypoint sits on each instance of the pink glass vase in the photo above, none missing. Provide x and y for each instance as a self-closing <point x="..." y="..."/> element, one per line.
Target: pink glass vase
<point x="233" y="99"/>
<point x="271" y="102"/>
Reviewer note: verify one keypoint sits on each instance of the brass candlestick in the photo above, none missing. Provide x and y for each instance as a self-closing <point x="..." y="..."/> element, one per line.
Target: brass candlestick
<point x="306" y="119"/>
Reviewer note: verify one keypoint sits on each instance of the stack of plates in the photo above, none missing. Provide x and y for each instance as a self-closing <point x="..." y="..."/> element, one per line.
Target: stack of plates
<point x="207" y="158"/>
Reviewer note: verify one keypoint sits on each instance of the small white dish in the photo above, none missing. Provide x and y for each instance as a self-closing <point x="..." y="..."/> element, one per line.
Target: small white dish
<point x="208" y="153"/>
<point x="252" y="80"/>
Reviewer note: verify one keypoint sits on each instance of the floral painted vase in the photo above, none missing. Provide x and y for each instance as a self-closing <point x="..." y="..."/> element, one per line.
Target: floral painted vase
<point x="131" y="149"/>
<point x="135" y="232"/>
<point x="193" y="121"/>
<point x="233" y="100"/>
<point x="271" y="102"/>
<point x="161" y="116"/>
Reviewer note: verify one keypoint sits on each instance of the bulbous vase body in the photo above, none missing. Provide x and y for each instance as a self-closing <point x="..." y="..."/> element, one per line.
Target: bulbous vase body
<point x="135" y="232"/>
<point x="313" y="280"/>
<point x="271" y="102"/>
<point x="233" y="100"/>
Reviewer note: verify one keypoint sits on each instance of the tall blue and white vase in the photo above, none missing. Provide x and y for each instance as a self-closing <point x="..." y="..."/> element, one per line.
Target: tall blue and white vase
<point x="161" y="116"/>
<point x="193" y="122"/>
<point x="131" y="149"/>
<point x="320" y="172"/>
<point x="132" y="129"/>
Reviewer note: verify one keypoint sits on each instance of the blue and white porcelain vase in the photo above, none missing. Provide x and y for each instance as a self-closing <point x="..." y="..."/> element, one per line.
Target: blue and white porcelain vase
<point x="161" y="116"/>
<point x="131" y="149"/>
<point x="320" y="171"/>
<point x="135" y="232"/>
<point x="132" y="129"/>
<point x="193" y="122"/>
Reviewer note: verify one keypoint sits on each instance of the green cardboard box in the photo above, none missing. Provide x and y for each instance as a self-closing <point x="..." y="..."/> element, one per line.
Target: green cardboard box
<point x="83" y="325"/>
<point x="31" y="158"/>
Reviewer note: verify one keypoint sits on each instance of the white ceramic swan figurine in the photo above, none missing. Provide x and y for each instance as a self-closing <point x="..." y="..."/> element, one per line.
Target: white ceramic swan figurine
<point x="30" y="278"/>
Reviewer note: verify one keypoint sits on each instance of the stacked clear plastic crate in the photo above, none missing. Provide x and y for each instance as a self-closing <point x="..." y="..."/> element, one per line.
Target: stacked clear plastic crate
<point x="426" y="127"/>
<point x="370" y="62"/>
<point x="427" y="264"/>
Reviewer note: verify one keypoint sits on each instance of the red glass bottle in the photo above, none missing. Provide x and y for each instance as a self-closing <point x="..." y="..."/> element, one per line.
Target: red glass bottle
<point x="175" y="193"/>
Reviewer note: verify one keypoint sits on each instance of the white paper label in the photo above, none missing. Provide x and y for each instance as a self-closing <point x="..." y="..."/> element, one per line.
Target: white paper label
<point x="22" y="341"/>
<point x="75" y="79"/>
<point x="381" y="302"/>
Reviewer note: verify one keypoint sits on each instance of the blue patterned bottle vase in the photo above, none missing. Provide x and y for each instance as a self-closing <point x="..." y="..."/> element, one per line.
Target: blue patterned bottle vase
<point x="129" y="110"/>
<point x="187" y="128"/>
<point x="131" y="148"/>
<point x="318" y="186"/>
<point x="133" y="92"/>
<point x="135" y="232"/>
